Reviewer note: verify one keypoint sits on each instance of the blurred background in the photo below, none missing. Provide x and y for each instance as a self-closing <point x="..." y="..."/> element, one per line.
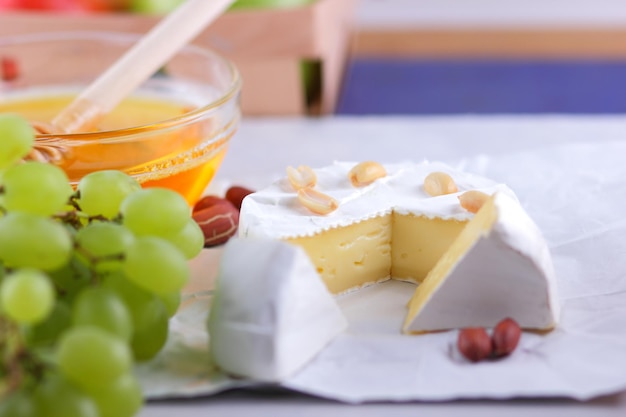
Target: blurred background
<point x="487" y="56"/>
<point x="360" y="57"/>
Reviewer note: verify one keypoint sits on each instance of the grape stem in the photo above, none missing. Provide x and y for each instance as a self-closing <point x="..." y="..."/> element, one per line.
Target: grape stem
<point x="71" y="217"/>
<point x="17" y="361"/>
<point x="94" y="260"/>
<point x="10" y="356"/>
<point x="74" y="218"/>
<point x="73" y="201"/>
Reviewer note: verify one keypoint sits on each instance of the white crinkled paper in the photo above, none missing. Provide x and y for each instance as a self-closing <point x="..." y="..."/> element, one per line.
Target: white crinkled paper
<point x="577" y="195"/>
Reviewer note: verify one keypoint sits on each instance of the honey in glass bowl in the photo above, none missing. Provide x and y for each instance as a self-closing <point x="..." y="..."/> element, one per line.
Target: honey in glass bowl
<point x="173" y="131"/>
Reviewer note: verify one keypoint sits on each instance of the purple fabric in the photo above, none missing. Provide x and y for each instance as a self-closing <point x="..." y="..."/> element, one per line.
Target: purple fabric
<point x="405" y="86"/>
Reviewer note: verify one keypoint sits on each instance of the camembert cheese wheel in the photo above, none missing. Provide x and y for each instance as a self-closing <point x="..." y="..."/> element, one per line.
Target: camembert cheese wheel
<point x="402" y="226"/>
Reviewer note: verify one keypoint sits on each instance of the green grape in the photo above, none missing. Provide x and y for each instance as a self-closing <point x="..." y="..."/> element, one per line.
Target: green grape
<point x="18" y="404"/>
<point x="102" y="308"/>
<point x="57" y="397"/>
<point x="155" y="212"/>
<point x="104" y="242"/>
<point x="121" y="398"/>
<point x="151" y="329"/>
<point x="153" y="6"/>
<point x="92" y="357"/>
<point x="72" y="277"/>
<point x="130" y="293"/>
<point x="47" y="332"/>
<point x="156" y="265"/>
<point x="102" y="192"/>
<point x="16" y="139"/>
<point x="36" y="187"/>
<point x="27" y="296"/>
<point x="189" y="240"/>
<point x="171" y="302"/>
<point x="149" y="315"/>
<point x="29" y="240"/>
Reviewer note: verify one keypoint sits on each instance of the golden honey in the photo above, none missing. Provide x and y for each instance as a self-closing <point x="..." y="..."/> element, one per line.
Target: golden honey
<point x="159" y="141"/>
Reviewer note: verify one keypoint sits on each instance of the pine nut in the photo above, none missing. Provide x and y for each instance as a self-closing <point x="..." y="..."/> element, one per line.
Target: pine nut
<point x="317" y="202"/>
<point x="366" y="173"/>
<point x="301" y="177"/>
<point x="473" y="200"/>
<point x="439" y="183"/>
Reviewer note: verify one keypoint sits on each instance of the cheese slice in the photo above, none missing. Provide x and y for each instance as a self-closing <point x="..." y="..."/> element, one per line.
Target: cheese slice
<point x="271" y="314"/>
<point x="498" y="267"/>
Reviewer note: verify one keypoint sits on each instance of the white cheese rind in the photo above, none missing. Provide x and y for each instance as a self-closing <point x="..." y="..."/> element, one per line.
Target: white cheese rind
<point x="271" y="313"/>
<point x="507" y="272"/>
<point x="275" y="211"/>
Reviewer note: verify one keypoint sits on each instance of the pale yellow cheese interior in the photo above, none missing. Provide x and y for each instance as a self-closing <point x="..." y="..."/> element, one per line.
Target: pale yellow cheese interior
<point x="480" y="224"/>
<point x="417" y="244"/>
<point x="398" y="246"/>
<point x="351" y="256"/>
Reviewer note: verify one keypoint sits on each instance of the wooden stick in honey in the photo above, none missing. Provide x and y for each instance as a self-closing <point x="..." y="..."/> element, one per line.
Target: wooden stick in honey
<point x="138" y="64"/>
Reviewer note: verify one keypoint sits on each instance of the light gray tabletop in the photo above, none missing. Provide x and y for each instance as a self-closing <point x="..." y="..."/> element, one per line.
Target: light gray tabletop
<point x="264" y="147"/>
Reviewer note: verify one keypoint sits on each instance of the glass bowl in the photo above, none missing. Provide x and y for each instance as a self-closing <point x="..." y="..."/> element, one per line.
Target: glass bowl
<point x="172" y="132"/>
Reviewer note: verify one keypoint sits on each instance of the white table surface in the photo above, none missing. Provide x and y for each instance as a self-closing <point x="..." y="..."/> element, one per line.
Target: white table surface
<point x="264" y="147"/>
<point x="408" y="14"/>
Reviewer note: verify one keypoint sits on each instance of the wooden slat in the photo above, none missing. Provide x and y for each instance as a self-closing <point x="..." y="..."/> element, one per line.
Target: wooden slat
<point x="591" y="43"/>
<point x="236" y="34"/>
<point x="303" y="32"/>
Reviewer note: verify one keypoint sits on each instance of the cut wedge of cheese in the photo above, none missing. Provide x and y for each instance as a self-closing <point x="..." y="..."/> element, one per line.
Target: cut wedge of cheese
<point x="499" y="266"/>
<point x="271" y="314"/>
<point x="389" y="229"/>
<point x="472" y="270"/>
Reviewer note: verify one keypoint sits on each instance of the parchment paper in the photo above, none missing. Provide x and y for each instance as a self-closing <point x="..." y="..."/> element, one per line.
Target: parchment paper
<point x="577" y="195"/>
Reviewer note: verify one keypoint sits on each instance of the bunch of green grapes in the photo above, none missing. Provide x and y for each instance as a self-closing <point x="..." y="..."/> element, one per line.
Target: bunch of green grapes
<point x="88" y="280"/>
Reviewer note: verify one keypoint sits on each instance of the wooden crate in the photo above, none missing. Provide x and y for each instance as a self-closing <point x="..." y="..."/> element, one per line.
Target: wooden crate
<point x="268" y="46"/>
